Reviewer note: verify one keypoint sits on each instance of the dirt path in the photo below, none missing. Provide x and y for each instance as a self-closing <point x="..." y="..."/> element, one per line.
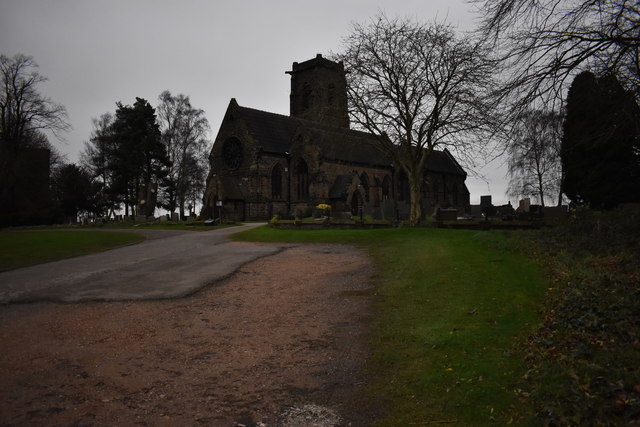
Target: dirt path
<point x="284" y="331"/>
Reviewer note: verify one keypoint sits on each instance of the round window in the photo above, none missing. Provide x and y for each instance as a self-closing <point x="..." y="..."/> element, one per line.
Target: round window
<point x="232" y="153"/>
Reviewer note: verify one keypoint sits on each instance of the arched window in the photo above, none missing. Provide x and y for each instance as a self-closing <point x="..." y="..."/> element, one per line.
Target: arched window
<point x="436" y="192"/>
<point x="276" y="182"/>
<point x="331" y="94"/>
<point x="232" y="153"/>
<point x="364" y="181"/>
<point x="403" y="186"/>
<point x="454" y="190"/>
<point x="302" y="179"/>
<point x="386" y="188"/>
<point x="356" y="203"/>
<point x="307" y="96"/>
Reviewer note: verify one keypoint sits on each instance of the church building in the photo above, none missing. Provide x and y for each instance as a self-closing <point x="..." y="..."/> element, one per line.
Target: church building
<point x="265" y="164"/>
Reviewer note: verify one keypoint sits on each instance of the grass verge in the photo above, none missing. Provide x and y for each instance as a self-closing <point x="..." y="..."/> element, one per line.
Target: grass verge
<point x="23" y="248"/>
<point x="452" y="310"/>
<point x="584" y="362"/>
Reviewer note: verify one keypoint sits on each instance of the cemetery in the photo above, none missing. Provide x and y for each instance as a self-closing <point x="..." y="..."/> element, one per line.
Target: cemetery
<point x="323" y="266"/>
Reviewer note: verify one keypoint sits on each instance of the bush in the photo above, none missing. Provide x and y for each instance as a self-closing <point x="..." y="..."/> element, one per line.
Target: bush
<point x="585" y="359"/>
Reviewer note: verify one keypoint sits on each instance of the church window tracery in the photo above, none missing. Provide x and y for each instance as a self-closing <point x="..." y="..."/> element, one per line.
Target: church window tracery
<point x="386" y="188"/>
<point x="232" y="154"/>
<point x="403" y="186"/>
<point x="307" y="96"/>
<point x="331" y="95"/>
<point x="364" y="181"/>
<point x="276" y="182"/>
<point x="302" y="179"/>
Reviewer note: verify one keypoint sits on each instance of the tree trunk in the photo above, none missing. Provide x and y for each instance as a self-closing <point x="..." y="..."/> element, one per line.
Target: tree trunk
<point x="181" y="209"/>
<point x="415" y="193"/>
<point x="560" y="192"/>
<point x="540" y="191"/>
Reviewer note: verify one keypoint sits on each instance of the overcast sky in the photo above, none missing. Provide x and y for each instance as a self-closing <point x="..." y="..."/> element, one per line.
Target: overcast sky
<point x="96" y="53"/>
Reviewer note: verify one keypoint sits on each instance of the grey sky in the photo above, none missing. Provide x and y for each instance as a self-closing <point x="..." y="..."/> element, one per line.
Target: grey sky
<point x="96" y="53"/>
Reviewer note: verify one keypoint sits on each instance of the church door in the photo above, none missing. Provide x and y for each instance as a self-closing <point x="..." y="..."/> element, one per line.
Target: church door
<point x="356" y="203"/>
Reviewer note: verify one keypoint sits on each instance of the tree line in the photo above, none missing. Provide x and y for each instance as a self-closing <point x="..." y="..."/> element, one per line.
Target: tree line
<point x="505" y="89"/>
<point x="138" y="145"/>
<point x="128" y="149"/>
<point x="553" y="85"/>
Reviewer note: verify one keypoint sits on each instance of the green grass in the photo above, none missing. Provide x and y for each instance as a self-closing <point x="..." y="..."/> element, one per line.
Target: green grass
<point x="452" y="311"/>
<point x="23" y="248"/>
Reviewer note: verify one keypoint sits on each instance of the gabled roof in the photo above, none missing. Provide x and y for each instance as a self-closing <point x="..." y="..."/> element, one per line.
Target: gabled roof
<point x="275" y="133"/>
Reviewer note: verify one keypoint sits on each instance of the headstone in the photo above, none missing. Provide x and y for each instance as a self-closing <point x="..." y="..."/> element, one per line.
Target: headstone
<point x="524" y="205"/>
<point x="388" y="210"/>
<point x="344" y="216"/>
<point x="175" y="217"/>
<point x="163" y="218"/>
<point x="476" y="210"/>
<point x="140" y="219"/>
<point x="446" y="214"/>
<point x="147" y="197"/>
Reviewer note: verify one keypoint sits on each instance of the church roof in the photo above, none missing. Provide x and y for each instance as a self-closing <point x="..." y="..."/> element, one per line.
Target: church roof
<point x="275" y="134"/>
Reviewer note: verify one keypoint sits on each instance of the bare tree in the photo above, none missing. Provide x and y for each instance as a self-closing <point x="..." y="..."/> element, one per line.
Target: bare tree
<point x="96" y="158"/>
<point x="22" y="108"/>
<point x="418" y="87"/>
<point x="24" y="117"/>
<point x="534" y="156"/>
<point x="546" y="42"/>
<point x="184" y="133"/>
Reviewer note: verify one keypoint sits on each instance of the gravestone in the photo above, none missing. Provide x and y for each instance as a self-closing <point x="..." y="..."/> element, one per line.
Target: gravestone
<point x="524" y="205"/>
<point x="446" y="214"/>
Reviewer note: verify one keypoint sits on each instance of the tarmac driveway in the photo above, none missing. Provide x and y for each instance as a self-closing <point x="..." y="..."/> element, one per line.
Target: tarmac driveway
<point x="160" y="267"/>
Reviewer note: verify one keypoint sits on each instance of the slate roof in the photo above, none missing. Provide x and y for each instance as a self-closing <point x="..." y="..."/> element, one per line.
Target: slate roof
<point x="275" y="134"/>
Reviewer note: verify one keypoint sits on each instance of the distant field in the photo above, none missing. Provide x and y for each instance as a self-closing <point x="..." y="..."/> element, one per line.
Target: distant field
<point x="23" y="248"/>
<point x="452" y="310"/>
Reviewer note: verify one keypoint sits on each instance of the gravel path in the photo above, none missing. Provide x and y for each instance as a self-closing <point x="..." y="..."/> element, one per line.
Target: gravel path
<point x="281" y="342"/>
<point x="171" y="266"/>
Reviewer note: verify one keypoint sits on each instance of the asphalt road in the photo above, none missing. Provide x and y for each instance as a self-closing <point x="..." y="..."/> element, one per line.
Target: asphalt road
<point x="162" y="267"/>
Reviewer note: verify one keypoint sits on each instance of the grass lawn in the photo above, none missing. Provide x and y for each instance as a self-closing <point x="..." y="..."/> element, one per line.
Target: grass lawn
<point x="23" y="248"/>
<point x="452" y="311"/>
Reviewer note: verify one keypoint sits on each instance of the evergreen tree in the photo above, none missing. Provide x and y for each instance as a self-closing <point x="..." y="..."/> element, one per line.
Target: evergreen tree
<point x="600" y="148"/>
<point x="96" y="158"/>
<point x="138" y="156"/>
<point x="73" y="191"/>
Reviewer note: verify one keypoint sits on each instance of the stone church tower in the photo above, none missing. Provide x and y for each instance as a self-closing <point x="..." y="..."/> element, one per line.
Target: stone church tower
<point x="319" y="92"/>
